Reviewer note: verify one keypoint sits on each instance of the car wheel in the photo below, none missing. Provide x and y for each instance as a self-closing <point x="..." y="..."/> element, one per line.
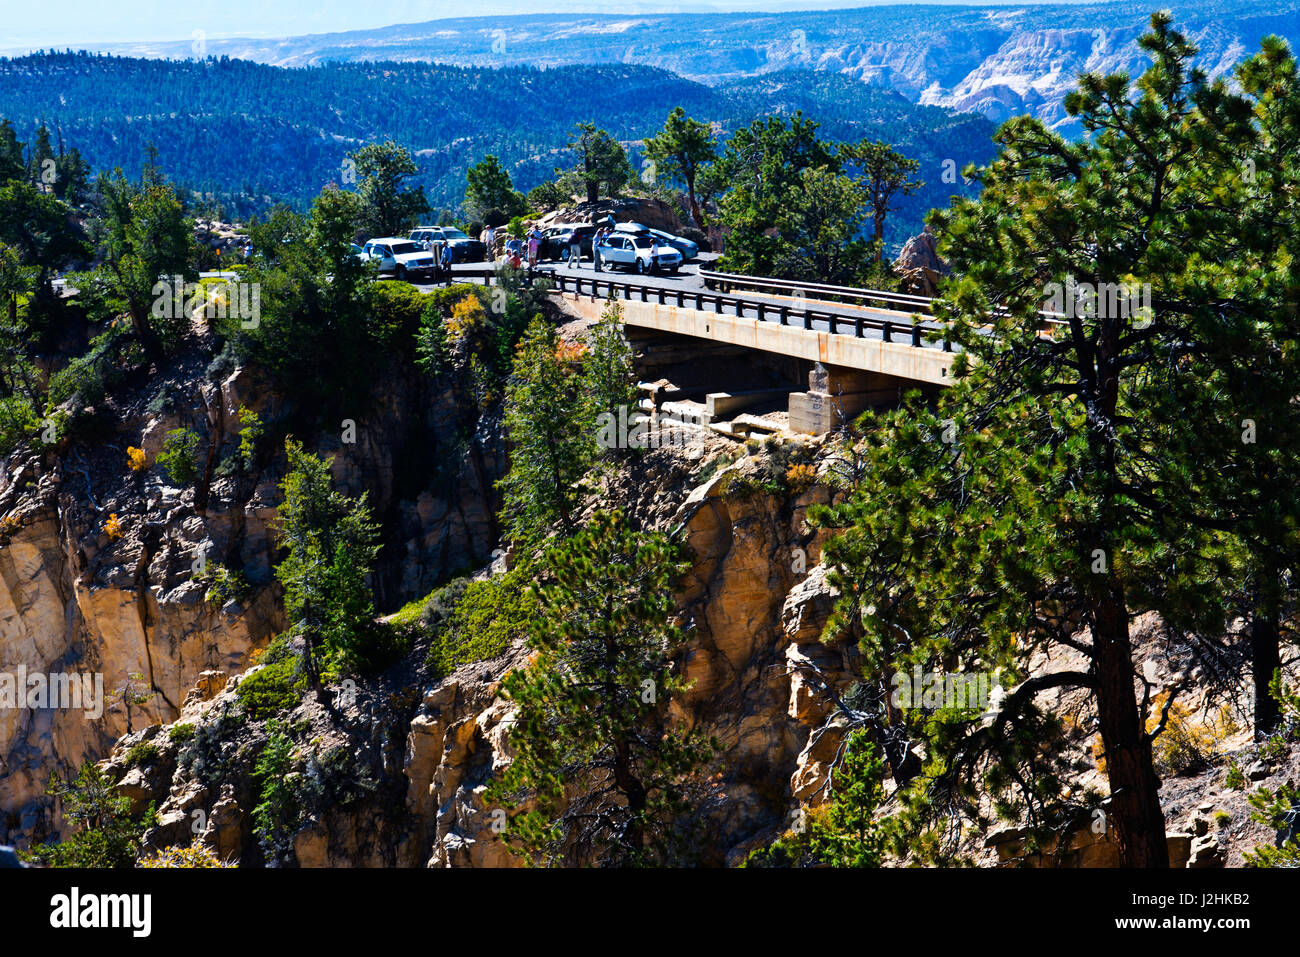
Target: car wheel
<point x="640" y="266"/>
<point x="400" y="273"/>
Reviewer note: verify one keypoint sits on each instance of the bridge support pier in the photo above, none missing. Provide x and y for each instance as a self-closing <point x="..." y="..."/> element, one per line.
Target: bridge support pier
<point x="837" y="395"/>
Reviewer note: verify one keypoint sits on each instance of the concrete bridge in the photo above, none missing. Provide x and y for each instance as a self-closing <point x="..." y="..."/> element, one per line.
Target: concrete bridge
<point x="854" y="355"/>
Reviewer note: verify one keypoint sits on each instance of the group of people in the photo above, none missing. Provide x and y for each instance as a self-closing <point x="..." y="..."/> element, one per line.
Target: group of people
<point x="517" y="251"/>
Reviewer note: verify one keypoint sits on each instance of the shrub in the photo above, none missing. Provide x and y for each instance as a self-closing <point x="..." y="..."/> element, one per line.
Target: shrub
<point x="137" y="459"/>
<point x="249" y="434"/>
<point x="18" y="420"/>
<point x="113" y="527"/>
<point x="277" y="811"/>
<point x="81" y="379"/>
<point x="275" y="687"/>
<point x="1187" y="744"/>
<point x="142" y="753"/>
<point x="103" y="832"/>
<point x="397" y="310"/>
<point x="477" y="620"/>
<point x="1235" y="780"/>
<point x="225" y="584"/>
<point x="196" y="855"/>
<point x="180" y="456"/>
<point x="180" y="733"/>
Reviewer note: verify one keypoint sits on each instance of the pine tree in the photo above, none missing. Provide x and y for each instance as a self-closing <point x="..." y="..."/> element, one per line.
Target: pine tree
<point x="608" y="373"/>
<point x="331" y="545"/>
<point x="1055" y="493"/>
<point x="679" y="151"/>
<point x="612" y="782"/>
<point x="550" y="424"/>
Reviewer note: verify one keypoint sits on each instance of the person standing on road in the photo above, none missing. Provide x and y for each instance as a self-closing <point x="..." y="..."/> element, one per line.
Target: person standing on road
<point x="596" y="240"/>
<point x="446" y="263"/>
<point x="575" y="250"/>
<point x="490" y="240"/>
<point x="534" y="247"/>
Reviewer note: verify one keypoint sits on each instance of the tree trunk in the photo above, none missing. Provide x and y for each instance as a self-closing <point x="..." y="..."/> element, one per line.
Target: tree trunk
<point x="593" y="190"/>
<point x="695" y="205"/>
<point x="634" y="792"/>
<point x="1135" y="814"/>
<point x="1265" y="659"/>
<point x="879" y="222"/>
<point x="149" y="340"/>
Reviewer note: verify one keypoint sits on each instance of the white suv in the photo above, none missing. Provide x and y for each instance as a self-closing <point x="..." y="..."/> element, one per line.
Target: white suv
<point x="639" y="253"/>
<point x="401" y="257"/>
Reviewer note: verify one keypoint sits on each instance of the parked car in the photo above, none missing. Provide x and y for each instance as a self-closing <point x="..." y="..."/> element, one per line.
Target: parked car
<point x="557" y="241"/>
<point x="463" y="248"/>
<point x="686" y="247"/>
<point x="400" y="257"/>
<point x="635" y="252"/>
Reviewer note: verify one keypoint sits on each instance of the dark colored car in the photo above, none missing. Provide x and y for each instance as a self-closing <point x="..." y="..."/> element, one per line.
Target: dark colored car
<point x="557" y="241"/>
<point x="463" y="248"/>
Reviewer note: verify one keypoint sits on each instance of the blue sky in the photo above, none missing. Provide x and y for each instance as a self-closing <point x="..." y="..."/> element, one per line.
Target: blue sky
<point x="63" y="23"/>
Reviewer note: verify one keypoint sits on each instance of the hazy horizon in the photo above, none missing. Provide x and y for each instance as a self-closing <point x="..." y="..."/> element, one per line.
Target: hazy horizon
<point x="83" y="22"/>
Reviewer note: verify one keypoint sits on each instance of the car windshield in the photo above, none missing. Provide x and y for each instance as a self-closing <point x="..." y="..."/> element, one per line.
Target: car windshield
<point x="401" y="249"/>
<point x="454" y="234"/>
<point x="642" y="242"/>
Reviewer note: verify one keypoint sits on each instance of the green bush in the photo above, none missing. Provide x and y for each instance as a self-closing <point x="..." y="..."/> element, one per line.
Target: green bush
<point x="180" y="733"/>
<point x="477" y="620"/>
<point x="225" y="584"/>
<point x="18" y="421"/>
<point x="142" y="753"/>
<point x="180" y="456"/>
<point x="104" y="834"/>
<point x="275" y="687"/>
<point x="397" y="310"/>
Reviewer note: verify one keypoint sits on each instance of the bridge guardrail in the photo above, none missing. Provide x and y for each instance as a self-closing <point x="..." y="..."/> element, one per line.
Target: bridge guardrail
<point x="856" y="324"/>
<point x="726" y="281"/>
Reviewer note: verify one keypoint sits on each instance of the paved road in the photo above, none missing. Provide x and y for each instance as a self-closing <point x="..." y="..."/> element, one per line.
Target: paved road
<point x="688" y="279"/>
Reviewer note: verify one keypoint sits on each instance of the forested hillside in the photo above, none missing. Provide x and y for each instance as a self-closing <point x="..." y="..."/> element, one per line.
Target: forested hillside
<point x="254" y="134"/>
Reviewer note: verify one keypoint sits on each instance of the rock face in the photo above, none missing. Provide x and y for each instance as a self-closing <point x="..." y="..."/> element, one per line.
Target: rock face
<point x="757" y="603"/>
<point x="130" y="604"/>
<point x="919" y="266"/>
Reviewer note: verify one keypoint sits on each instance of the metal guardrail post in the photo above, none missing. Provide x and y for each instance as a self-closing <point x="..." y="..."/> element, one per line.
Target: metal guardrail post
<point x="857" y="327"/>
<point x="807" y="319"/>
<point x="916" y="334"/>
<point x="887" y="331"/>
<point x="785" y="315"/>
<point x="717" y="304"/>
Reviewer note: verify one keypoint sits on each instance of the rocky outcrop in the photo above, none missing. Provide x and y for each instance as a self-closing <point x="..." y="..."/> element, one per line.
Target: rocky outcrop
<point x="104" y="572"/>
<point x="755" y="602"/>
<point x="918" y="266"/>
